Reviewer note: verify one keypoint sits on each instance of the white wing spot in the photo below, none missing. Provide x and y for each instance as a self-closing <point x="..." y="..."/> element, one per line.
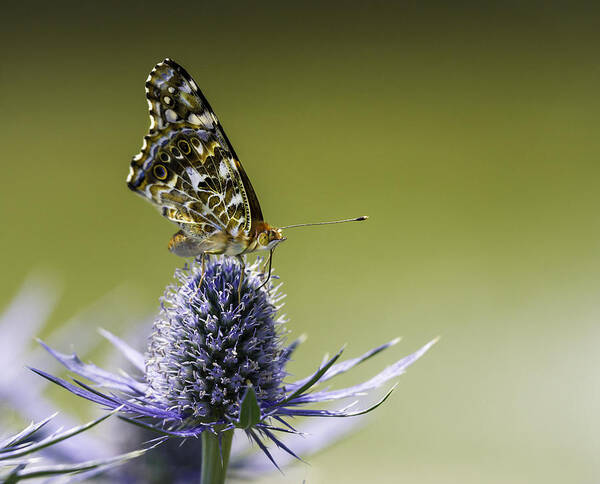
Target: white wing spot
<point x="198" y="148"/>
<point x="195" y="177"/>
<point x="137" y="157"/>
<point x="192" y="118"/>
<point x="193" y="84"/>
<point x="223" y="171"/>
<point x="171" y="89"/>
<point x="167" y="100"/>
<point x="207" y="119"/>
<point x="152" y="117"/>
<point x="131" y="174"/>
<point x="235" y="200"/>
<point x="171" y="115"/>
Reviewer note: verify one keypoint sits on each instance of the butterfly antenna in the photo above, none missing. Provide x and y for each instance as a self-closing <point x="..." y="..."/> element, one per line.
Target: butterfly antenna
<point x="357" y="219"/>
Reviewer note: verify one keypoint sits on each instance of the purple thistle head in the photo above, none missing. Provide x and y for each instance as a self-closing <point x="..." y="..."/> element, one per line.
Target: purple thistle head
<point x="206" y="349"/>
<point x="169" y="462"/>
<point x="216" y="363"/>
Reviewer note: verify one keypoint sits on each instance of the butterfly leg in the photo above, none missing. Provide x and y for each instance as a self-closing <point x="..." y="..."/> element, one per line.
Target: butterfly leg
<point x="242" y="272"/>
<point x="203" y="258"/>
<point x="269" y="275"/>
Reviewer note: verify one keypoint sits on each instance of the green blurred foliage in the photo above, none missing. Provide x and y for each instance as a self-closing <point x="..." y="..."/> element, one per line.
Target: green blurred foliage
<point x="469" y="134"/>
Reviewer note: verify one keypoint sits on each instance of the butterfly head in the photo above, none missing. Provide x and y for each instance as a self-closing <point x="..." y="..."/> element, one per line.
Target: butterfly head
<point x="269" y="238"/>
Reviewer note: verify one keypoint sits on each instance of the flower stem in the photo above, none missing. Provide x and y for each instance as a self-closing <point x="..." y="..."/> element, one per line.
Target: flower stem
<point x="215" y="457"/>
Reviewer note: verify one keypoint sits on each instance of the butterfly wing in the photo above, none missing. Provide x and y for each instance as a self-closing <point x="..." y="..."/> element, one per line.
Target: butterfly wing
<point x="187" y="166"/>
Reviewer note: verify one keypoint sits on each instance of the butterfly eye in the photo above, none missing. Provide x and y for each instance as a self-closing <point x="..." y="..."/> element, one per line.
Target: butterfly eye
<point x="160" y="172"/>
<point x="184" y="146"/>
<point x="164" y="157"/>
<point x="263" y="238"/>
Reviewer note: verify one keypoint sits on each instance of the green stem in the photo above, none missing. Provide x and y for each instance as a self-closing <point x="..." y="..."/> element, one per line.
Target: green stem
<point x="215" y="457"/>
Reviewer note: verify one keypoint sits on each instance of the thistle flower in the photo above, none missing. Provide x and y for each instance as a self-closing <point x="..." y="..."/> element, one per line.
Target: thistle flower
<point x="170" y="462"/>
<point x="207" y="349"/>
<point x="215" y="363"/>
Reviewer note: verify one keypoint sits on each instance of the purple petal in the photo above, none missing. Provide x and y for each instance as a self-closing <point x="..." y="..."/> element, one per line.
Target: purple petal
<point x="279" y="443"/>
<point x="289" y="350"/>
<point x="316" y="376"/>
<point x="313" y="437"/>
<point x="186" y="433"/>
<point x="109" y="401"/>
<point x="145" y="410"/>
<point x="25" y="434"/>
<point x="262" y="447"/>
<point x="345" y="365"/>
<point x="345" y="412"/>
<point x="22" y="449"/>
<point x="80" y="392"/>
<point x="133" y="355"/>
<point x="390" y="372"/>
<point x="27" y="313"/>
<point x="97" y="375"/>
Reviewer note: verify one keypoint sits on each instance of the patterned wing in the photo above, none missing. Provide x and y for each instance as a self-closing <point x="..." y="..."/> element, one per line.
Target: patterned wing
<point x="187" y="167"/>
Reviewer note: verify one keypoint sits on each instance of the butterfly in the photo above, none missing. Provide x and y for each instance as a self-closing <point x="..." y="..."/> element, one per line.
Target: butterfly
<point x="188" y="169"/>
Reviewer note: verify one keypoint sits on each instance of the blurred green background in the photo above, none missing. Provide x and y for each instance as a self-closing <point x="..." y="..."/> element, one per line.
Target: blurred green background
<point x="469" y="134"/>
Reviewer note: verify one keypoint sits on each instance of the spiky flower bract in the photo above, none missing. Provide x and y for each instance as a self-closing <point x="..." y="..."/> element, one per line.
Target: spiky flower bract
<point x="19" y="453"/>
<point x="215" y="363"/>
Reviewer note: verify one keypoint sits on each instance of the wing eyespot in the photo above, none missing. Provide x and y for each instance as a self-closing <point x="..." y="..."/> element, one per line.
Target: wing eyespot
<point x="160" y="172"/>
<point x="186" y="165"/>
<point x="184" y="147"/>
